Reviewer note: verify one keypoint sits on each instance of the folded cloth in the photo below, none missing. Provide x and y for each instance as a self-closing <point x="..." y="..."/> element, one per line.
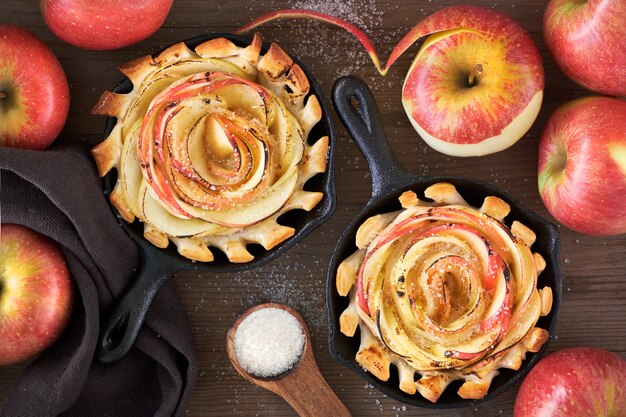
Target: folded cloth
<point x="57" y="193"/>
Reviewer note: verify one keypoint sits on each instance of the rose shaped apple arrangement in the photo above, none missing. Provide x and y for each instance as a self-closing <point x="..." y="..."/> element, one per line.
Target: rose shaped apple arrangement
<point x="210" y="147"/>
<point x="476" y="85"/>
<point x="445" y="290"/>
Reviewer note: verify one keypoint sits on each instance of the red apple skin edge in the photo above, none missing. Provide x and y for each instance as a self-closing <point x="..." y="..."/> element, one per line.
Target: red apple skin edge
<point x="104" y="24"/>
<point x="32" y="114"/>
<point x="574" y="382"/>
<point x="35" y="293"/>
<point x="582" y="165"/>
<point x="588" y="42"/>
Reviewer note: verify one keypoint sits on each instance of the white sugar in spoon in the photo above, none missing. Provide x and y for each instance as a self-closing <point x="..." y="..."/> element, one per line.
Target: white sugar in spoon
<point x="303" y="386"/>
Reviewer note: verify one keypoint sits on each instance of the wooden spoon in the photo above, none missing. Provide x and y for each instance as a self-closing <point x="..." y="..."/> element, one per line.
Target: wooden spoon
<point x="303" y="386"/>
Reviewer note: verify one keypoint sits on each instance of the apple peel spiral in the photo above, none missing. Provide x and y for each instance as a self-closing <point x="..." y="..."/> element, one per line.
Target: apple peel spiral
<point x="211" y="147"/>
<point x="443" y="290"/>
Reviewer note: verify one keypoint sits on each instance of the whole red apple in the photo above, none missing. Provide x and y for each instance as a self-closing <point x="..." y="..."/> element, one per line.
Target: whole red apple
<point x="580" y="382"/>
<point x="35" y="293"/>
<point x="104" y="24"/>
<point x="34" y="95"/>
<point x="588" y="42"/>
<point x="582" y="165"/>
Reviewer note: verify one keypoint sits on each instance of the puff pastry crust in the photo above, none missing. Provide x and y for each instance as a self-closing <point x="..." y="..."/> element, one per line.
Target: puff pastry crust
<point x="444" y="291"/>
<point x="212" y="145"/>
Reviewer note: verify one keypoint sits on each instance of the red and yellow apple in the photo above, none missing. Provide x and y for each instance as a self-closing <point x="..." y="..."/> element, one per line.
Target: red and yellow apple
<point x="34" y="94"/>
<point x="476" y="84"/>
<point x="35" y="293"/>
<point x="582" y="165"/>
<point x="581" y="382"/>
<point x="588" y="42"/>
<point x="104" y="24"/>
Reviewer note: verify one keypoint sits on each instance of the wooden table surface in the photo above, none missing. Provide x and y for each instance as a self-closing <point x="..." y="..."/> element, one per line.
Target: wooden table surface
<point x="593" y="311"/>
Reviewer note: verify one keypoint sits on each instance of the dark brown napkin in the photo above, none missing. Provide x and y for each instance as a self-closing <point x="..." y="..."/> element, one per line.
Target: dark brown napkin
<point x="57" y="192"/>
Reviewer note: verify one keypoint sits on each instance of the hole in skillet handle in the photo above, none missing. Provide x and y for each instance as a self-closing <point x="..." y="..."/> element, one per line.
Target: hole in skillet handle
<point x="343" y="348"/>
<point x="114" y="337"/>
<point x="357" y="109"/>
<point x="120" y="327"/>
<point x="123" y="322"/>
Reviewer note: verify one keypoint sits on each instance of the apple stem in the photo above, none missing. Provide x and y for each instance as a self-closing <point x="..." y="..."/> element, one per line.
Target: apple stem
<point x="478" y="68"/>
<point x="3" y="95"/>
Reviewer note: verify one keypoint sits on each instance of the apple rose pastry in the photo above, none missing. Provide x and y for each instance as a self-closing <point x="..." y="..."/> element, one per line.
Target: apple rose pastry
<point x="211" y="147"/>
<point x="444" y="290"/>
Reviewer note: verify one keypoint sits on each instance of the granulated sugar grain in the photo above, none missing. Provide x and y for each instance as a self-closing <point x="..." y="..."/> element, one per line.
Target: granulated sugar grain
<point x="268" y="342"/>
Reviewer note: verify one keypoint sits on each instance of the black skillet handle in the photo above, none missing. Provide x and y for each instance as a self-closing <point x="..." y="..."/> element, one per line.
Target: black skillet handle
<point x="366" y="127"/>
<point x="123" y="323"/>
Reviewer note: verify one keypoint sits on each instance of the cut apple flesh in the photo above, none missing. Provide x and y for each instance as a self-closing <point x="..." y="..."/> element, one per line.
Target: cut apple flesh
<point x="163" y="77"/>
<point x="161" y="219"/>
<point x="130" y="174"/>
<point x="208" y="194"/>
<point x="419" y="225"/>
<point x="263" y="206"/>
<point x="521" y="322"/>
<point x="229" y="160"/>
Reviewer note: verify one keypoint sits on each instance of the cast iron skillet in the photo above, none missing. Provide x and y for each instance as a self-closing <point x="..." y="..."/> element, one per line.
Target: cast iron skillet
<point x="389" y="181"/>
<point x="123" y="322"/>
